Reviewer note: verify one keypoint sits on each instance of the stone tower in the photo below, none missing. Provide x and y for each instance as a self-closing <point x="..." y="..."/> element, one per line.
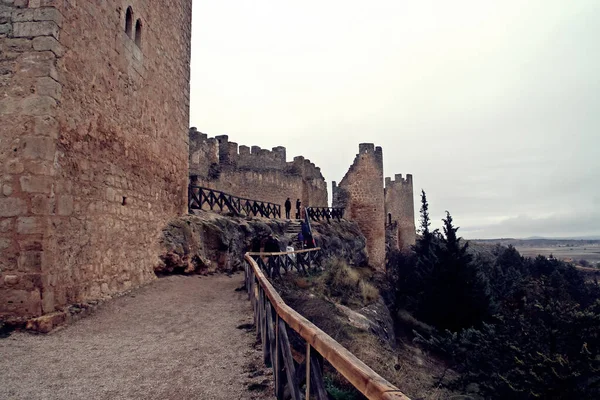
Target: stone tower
<point x="93" y="146"/>
<point x="361" y="193"/>
<point x="400" y="210"/>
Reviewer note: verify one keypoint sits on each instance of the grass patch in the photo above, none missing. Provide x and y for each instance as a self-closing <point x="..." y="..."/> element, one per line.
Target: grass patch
<point x="347" y="284"/>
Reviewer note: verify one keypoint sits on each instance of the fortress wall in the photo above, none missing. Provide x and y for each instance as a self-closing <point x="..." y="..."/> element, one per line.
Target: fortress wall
<point x="110" y="149"/>
<point x="30" y="90"/>
<point x="399" y="204"/>
<point x="361" y="193"/>
<point x="255" y="173"/>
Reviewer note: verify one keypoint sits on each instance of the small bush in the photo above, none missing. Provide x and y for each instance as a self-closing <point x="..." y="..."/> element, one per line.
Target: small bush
<point x="369" y="292"/>
<point x="341" y="280"/>
<point x="346" y="283"/>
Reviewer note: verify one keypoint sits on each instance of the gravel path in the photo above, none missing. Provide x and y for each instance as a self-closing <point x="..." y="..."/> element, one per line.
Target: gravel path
<point x="178" y="338"/>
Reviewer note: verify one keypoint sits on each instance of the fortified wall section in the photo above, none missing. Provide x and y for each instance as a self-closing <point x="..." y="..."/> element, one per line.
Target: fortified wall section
<point x="253" y="172"/>
<point x="361" y="193"/>
<point x="400" y="210"/>
<point x="93" y="147"/>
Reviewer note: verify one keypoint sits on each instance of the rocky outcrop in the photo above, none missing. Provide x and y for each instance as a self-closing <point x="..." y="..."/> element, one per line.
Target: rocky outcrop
<point x="208" y="242"/>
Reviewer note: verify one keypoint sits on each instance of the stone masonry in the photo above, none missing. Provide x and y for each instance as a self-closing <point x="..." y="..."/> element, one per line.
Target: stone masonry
<point x="93" y="146"/>
<point x="255" y="173"/>
<point x="400" y="210"/>
<point x="361" y="193"/>
<point x="367" y="202"/>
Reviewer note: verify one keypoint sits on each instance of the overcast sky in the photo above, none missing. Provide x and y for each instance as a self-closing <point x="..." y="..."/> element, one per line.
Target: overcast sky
<point x="493" y="106"/>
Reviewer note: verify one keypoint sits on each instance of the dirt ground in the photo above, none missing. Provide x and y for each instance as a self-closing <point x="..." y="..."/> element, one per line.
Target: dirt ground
<point x="178" y="338"/>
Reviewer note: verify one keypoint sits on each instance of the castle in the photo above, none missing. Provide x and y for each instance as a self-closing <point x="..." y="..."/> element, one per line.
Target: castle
<point x="96" y="153"/>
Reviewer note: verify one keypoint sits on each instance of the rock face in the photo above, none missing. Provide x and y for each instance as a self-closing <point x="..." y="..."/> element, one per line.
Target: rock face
<point x="208" y="242"/>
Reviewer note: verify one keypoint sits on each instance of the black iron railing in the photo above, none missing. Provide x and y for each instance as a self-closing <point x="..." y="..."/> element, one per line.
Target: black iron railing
<point x="325" y="213"/>
<point x="201" y="198"/>
<point x="303" y="261"/>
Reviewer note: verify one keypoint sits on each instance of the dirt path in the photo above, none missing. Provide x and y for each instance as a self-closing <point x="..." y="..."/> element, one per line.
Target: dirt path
<point x="175" y="339"/>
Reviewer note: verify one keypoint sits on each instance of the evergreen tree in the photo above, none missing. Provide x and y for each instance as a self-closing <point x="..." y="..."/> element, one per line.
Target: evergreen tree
<point x="457" y="295"/>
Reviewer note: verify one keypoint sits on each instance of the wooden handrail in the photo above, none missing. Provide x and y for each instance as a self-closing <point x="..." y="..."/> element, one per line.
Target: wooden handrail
<point x="283" y="253"/>
<point x="363" y="378"/>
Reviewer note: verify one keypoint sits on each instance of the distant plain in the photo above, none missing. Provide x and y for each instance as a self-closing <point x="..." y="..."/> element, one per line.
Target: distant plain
<point x="568" y="250"/>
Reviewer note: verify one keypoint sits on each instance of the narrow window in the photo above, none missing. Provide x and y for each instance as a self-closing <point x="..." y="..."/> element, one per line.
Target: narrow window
<point x="138" y="33"/>
<point x="129" y="22"/>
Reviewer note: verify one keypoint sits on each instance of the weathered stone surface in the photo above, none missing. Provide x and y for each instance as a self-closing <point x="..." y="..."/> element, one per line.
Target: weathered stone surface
<point x="400" y="211"/>
<point x="33" y="29"/>
<point x="361" y="193"/>
<point x="48" y="43"/>
<point x="94" y="145"/>
<point x="210" y="242"/>
<point x="10" y="207"/>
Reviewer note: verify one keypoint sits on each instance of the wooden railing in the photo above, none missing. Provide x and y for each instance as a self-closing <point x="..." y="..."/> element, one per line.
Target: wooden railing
<point x="199" y="197"/>
<point x="303" y="261"/>
<point x="274" y="319"/>
<point x="322" y="213"/>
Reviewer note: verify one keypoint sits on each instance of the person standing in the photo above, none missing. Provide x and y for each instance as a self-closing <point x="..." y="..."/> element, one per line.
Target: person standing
<point x="288" y="207"/>
<point x="298" y="209"/>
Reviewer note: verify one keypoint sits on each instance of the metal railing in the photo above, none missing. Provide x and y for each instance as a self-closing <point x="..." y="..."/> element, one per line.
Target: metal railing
<point x="325" y="213"/>
<point x="303" y="261"/>
<point x="200" y="197"/>
<point x="274" y="319"/>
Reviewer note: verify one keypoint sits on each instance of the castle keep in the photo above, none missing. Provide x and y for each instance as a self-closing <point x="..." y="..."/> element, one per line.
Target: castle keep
<point x="93" y="152"/>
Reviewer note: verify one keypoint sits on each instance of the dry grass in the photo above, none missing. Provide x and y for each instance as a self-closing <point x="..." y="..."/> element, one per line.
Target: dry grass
<point x="369" y="292"/>
<point x="347" y="284"/>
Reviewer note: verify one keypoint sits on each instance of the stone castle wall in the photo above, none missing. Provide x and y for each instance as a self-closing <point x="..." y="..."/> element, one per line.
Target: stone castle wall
<point x="255" y="173"/>
<point x="400" y="210"/>
<point x="361" y="193"/>
<point x="93" y="146"/>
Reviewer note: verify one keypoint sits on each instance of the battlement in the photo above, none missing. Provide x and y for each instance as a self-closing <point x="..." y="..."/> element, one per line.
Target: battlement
<point x="399" y="180"/>
<point x="254" y="172"/>
<point x="241" y="156"/>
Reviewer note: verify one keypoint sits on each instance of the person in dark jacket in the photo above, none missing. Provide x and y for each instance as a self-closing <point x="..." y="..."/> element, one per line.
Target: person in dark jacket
<point x="298" y="209"/>
<point x="271" y="245"/>
<point x="288" y="207"/>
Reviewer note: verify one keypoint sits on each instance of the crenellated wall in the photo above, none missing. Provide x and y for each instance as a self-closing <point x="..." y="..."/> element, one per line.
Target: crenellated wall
<point x="361" y="193"/>
<point x="255" y="173"/>
<point x="400" y="210"/>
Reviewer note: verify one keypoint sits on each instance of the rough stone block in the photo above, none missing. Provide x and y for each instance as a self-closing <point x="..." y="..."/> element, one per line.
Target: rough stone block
<point x="36" y="184"/>
<point x="48" y="43"/>
<point x="30" y="225"/>
<point x="18" y="45"/>
<point x="46" y="126"/>
<point x="39" y="147"/>
<point x="7" y="189"/>
<point x="14" y="166"/>
<point x="30" y="261"/>
<point x="11" y="280"/>
<point x="21" y="302"/>
<point x="5" y="29"/>
<point x="38" y="105"/>
<point x="48" y="14"/>
<point x="24" y="15"/>
<point x="65" y="205"/>
<point x="41" y="205"/>
<point x="46" y="86"/>
<point x="9" y="106"/>
<point x="33" y="29"/>
<point x="37" y="63"/>
<point x="11" y="207"/>
<point x="4" y="243"/>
